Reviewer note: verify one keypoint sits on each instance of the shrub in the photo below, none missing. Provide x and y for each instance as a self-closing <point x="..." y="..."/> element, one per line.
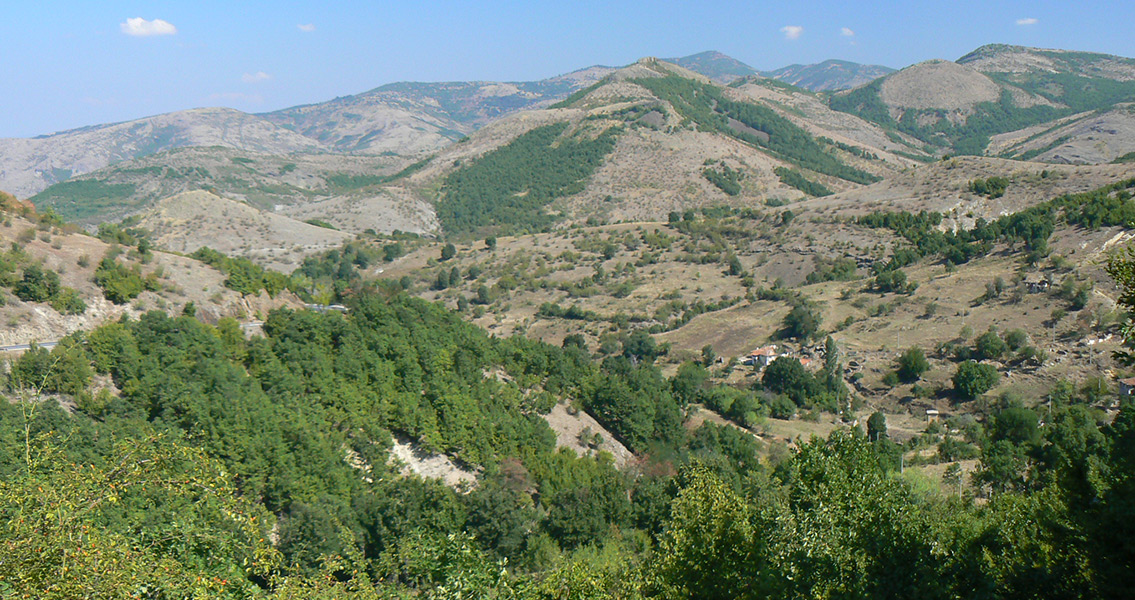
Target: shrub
<point x="68" y="302"/>
<point x="37" y="284"/>
<point x="990" y="346"/>
<point x="119" y="284"/>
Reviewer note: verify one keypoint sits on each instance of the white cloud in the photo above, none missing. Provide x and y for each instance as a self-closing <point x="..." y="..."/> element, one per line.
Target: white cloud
<point x="1028" y="21"/>
<point x="846" y="31"/>
<point x="792" y="32"/>
<point x="142" y="28"/>
<point x="256" y="77"/>
<point x="308" y="28"/>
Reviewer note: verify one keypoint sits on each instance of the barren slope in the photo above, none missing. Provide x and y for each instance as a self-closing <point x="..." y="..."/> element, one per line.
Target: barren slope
<point x="188" y="221"/>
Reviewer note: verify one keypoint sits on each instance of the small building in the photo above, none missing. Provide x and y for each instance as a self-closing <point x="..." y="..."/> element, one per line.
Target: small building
<point x="1127" y="387"/>
<point x="1036" y="284"/>
<point x="932" y="415"/>
<point x="761" y="357"/>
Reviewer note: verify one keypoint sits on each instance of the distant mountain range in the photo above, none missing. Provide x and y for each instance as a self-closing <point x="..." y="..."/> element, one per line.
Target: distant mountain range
<point x="1010" y="101"/>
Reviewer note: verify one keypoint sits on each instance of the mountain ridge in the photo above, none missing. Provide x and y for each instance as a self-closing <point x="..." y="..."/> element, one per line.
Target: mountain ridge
<point x="829" y="75"/>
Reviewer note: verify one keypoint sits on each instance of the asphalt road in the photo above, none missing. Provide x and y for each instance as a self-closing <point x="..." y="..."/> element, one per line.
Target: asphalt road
<point x="22" y="347"/>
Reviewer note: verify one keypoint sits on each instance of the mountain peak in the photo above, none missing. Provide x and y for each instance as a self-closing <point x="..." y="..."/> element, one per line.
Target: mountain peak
<point x="719" y="67"/>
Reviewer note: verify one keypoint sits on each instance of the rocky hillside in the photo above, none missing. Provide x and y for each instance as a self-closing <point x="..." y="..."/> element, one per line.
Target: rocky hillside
<point x="411" y="117"/>
<point x="1092" y="137"/>
<point x="1022" y="60"/>
<point x="191" y="220"/>
<point x="66" y="298"/>
<point x="830" y="75"/>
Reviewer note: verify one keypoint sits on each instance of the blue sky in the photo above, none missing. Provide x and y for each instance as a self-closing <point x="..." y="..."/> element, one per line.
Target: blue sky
<point x="67" y="64"/>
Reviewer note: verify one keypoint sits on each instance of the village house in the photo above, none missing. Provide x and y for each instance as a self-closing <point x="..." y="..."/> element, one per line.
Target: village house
<point x="1127" y="387"/>
<point x="761" y="357"/>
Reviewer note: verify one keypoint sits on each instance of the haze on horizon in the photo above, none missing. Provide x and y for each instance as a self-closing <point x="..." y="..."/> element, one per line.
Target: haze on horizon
<point x="72" y="64"/>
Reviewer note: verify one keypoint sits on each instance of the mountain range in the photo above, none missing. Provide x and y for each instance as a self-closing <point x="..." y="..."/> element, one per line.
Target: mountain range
<point x="600" y="143"/>
<point x="405" y="118"/>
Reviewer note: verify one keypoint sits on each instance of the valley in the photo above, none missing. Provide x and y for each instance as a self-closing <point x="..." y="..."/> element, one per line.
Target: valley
<point x="676" y="329"/>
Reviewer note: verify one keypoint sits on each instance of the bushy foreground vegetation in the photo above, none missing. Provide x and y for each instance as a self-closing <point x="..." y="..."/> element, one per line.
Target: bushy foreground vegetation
<point x="230" y="467"/>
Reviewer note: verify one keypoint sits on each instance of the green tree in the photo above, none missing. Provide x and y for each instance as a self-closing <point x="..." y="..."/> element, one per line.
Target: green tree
<point x="787" y="376"/>
<point x="973" y="379"/>
<point x="448" y="251"/>
<point x="68" y="302"/>
<point x="990" y="346"/>
<point x="708" y="356"/>
<point x="68" y="530"/>
<point x="735" y="268"/>
<point x="119" y="284"/>
<point x="393" y="251"/>
<point x="714" y="547"/>
<point x="877" y="426"/>
<point x="802" y="322"/>
<point x="912" y="364"/>
<point x="640" y="346"/>
<point x="687" y="382"/>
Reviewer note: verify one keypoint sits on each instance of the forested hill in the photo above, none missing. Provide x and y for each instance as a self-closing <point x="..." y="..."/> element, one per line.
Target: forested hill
<point x="648" y="138"/>
<point x="206" y="463"/>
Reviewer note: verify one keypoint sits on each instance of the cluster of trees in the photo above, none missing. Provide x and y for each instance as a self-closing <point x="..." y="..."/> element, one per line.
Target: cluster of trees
<point x="278" y="413"/>
<point x="84" y="198"/>
<point x="341" y="183"/>
<point x="973" y="379"/>
<point x="726" y="178"/>
<point x="243" y="275"/>
<point x="832" y="269"/>
<point x="893" y="281"/>
<point x="796" y="179"/>
<point x="992" y="187"/>
<point x="507" y="189"/>
<point x="802" y="321"/>
<point x="121" y="284"/>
